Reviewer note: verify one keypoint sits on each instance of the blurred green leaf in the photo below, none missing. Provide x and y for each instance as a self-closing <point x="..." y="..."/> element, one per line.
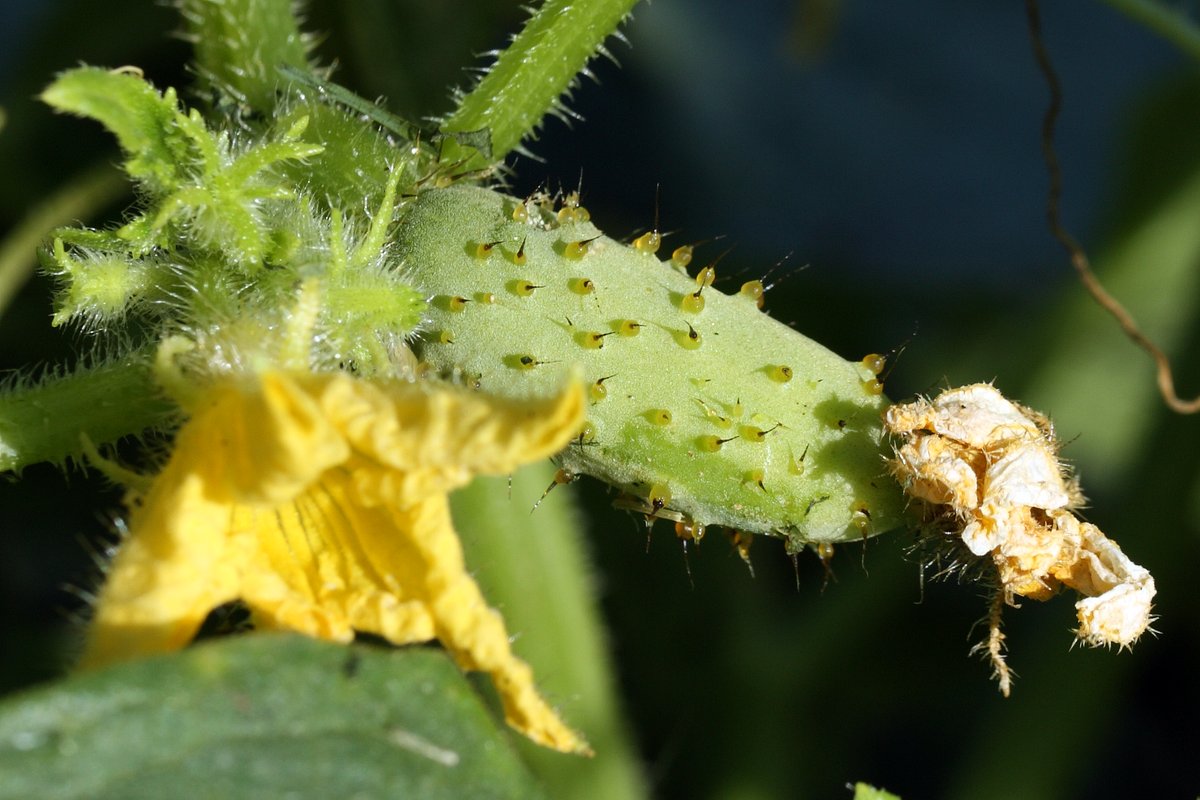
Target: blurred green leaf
<point x="864" y="791"/>
<point x="261" y="716"/>
<point x="80" y="198"/>
<point x="1169" y="20"/>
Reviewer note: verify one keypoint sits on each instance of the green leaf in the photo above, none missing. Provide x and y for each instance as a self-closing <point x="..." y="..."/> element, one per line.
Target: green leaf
<point x="261" y="716"/>
<point x="480" y="140"/>
<point x="144" y="122"/>
<point x="863" y="791"/>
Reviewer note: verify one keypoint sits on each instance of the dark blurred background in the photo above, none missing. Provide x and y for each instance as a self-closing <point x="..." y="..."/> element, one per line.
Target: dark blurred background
<point x="881" y="163"/>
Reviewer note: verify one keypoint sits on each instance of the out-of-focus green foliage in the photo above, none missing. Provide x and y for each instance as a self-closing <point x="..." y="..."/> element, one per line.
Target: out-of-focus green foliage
<point x="863" y="791"/>
<point x="261" y="716"/>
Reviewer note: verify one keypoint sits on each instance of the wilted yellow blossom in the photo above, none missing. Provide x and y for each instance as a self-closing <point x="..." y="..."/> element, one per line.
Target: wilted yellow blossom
<point x="321" y="502"/>
<point x="994" y="467"/>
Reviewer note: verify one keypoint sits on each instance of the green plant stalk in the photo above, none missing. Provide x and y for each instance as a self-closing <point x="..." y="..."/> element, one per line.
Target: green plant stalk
<point x="239" y="45"/>
<point x="534" y="568"/>
<point x="533" y="72"/>
<point x="1164" y="19"/>
<point x="44" y="421"/>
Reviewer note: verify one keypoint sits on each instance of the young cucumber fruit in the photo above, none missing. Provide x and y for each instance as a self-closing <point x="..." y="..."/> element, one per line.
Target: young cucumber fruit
<point x="704" y="409"/>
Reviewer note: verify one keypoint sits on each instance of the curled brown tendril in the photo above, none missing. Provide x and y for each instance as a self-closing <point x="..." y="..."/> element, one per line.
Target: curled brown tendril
<point x="1079" y="259"/>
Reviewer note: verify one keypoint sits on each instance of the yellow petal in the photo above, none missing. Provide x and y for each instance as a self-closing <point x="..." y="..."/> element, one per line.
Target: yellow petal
<point x="321" y="501"/>
<point x="267" y="442"/>
<point x="172" y="570"/>
<point x="471" y="631"/>
<point x="313" y="573"/>
<point x="455" y="433"/>
<point x="290" y="577"/>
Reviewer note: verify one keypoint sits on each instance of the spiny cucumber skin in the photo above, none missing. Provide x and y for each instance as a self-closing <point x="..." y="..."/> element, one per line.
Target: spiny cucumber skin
<point x="818" y="477"/>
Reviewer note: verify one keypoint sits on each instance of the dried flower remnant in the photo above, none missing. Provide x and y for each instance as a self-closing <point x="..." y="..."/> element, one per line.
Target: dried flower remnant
<point x="990" y="468"/>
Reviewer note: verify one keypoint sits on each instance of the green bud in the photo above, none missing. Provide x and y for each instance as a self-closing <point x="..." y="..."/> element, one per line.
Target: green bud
<point x="98" y="287"/>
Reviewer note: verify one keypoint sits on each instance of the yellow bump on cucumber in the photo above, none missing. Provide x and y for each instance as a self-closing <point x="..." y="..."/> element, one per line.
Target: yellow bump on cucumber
<point x="682" y="256"/>
<point x="581" y="285"/>
<point x="482" y="250"/>
<point x="780" y="373"/>
<point x="689" y="339"/>
<point x="523" y="287"/>
<point x="753" y="291"/>
<point x="747" y="395"/>
<point x="627" y="328"/>
<point x="648" y="243"/>
<point x="597" y="391"/>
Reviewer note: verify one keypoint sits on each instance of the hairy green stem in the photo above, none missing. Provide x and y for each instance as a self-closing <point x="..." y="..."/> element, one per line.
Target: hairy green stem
<point x="43" y="421"/>
<point x="1165" y="19"/>
<point x="533" y="72"/>
<point x="240" y="44"/>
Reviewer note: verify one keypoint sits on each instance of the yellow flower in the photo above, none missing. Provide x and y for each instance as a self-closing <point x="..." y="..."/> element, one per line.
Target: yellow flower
<point x="321" y="502"/>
